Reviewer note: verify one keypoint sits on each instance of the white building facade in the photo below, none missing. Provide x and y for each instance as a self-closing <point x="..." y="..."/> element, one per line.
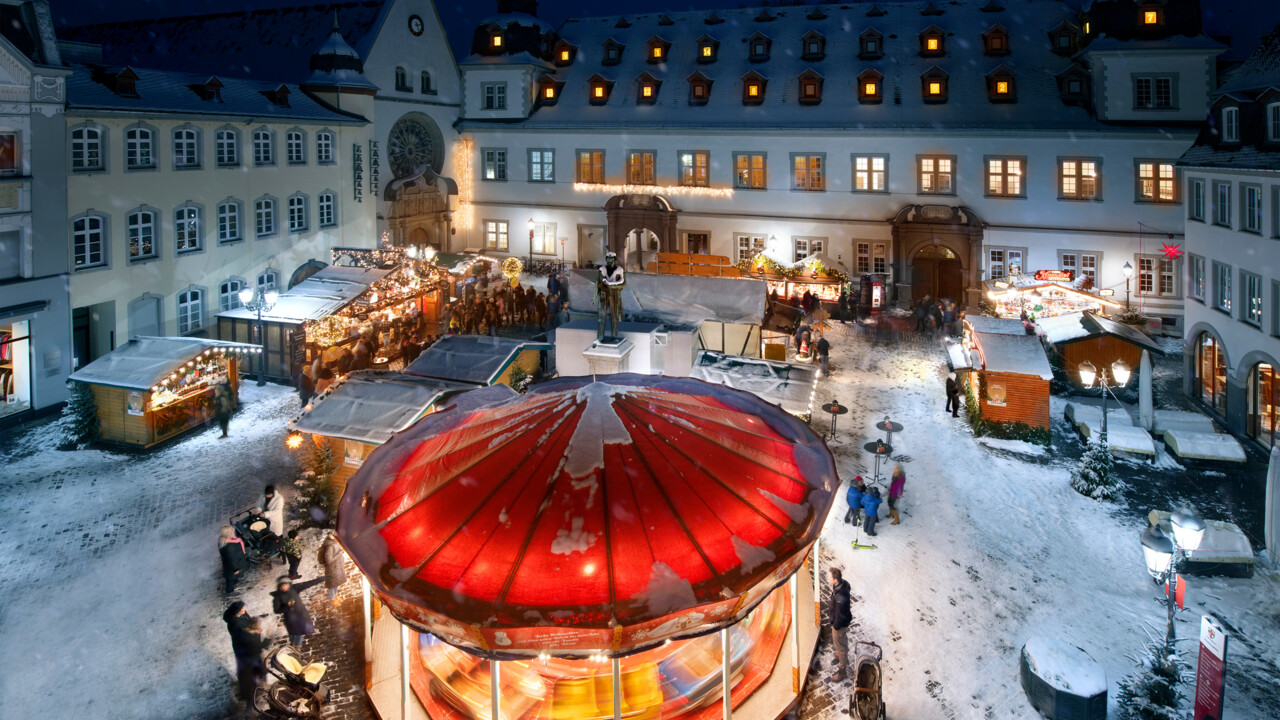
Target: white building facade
<point x="935" y="144"/>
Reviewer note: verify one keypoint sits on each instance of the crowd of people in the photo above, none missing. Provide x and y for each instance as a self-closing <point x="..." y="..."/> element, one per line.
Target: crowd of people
<point x="484" y="307"/>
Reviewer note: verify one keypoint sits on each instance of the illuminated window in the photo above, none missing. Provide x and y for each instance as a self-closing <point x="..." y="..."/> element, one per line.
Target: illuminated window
<point x="599" y="91"/>
<point x="1002" y="87"/>
<point x="550" y="93"/>
<point x="935" y="88"/>
<point x="647" y="91"/>
<point x="869" y="89"/>
<point x="564" y="56"/>
<point x="753" y="90"/>
<point x="932" y="43"/>
<point x="657" y="52"/>
<point x="497" y="41"/>
<point x="706" y="51"/>
<point x="1086" y="28"/>
<point x="1150" y="17"/>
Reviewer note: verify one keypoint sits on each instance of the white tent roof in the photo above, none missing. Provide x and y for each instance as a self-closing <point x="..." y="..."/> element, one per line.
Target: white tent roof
<point x="324" y="293"/>
<point x="370" y="406"/>
<point x="144" y="361"/>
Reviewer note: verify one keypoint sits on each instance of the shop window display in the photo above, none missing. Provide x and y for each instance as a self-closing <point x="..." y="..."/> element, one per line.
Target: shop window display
<point x="1211" y="373"/>
<point x="1264" y="403"/>
<point x="15" y="368"/>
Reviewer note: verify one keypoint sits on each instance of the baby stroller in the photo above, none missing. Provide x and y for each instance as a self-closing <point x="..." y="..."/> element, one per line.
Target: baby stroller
<point x="866" y="703"/>
<point x="299" y="690"/>
<point x="260" y="543"/>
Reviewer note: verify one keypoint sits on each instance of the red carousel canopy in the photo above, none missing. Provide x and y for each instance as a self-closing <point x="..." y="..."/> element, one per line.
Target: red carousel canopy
<point x="587" y="517"/>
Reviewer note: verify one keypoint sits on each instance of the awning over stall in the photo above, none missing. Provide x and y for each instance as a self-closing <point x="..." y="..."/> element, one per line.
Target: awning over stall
<point x="325" y="293"/>
<point x="143" y="362"/>
<point x="475" y="359"/>
<point x="370" y="406"/>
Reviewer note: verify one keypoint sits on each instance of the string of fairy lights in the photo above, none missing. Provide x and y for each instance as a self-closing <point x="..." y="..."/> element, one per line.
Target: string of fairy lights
<point x="199" y="372"/>
<point x="670" y="190"/>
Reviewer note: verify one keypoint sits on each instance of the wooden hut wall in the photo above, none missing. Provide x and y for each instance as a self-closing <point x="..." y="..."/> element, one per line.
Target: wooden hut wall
<point x="116" y="424"/>
<point x="1026" y="399"/>
<point x="1102" y="351"/>
<point x="528" y="360"/>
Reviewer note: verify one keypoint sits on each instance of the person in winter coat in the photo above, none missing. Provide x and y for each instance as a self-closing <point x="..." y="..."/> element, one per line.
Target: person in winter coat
<point x="854" y="496"/>
<point x="224" y="402"/>
<point x="306" y="386"/>
<point x="248" y="644"/>
<point x="870" y="506"/>
<point x="895" y="491"/>
<point x="324" y="379"/>
<point x="953" y="395"/>
<point x="271" y="505"/>
<point x="286" y="601"/>
<point x="844" y="305"/>
<point x="293" y="553"/>
<point x="824" y="349"/>
<point x="840" y="615"/>
<point x="234" y="559"/>
<point x="335" y="569"/>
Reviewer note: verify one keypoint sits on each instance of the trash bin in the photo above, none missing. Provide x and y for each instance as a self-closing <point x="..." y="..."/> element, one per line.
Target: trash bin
<point x="1062" y="681"/>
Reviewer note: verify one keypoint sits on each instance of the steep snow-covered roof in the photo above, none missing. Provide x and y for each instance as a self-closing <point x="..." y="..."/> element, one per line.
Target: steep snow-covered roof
<point x="789" y="385"/>
<point x="144" y="361"/>
<point x="476" y="359"/>
<point x="1258" y="74"/>
<point x="370" y="406"/>
<point x="963" y="22"/>
<point x="326" y="292"/>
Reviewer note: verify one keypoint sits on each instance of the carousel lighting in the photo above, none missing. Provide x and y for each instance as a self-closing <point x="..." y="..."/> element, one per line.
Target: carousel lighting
<point x="462" y="162"/>
<point x="294" y="441"/>
<point x="676" y="190"/>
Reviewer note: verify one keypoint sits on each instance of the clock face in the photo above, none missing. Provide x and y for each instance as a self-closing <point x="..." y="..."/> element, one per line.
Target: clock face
<point x="415" y="25"/>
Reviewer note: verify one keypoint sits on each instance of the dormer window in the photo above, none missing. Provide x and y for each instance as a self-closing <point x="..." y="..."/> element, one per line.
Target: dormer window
<point x="564" y="53"/>
<point x="932" y="42"/>
<point x="1231" y="125"/>
<point x="658" y="49"/>
<point x="599" y="90"/>
<point x="934" y="85"/>
<point x="870" y="87"/>
<point x="871" y="45"/>
<point x="1062" y="39"/>
<point x="612" y="52"/>
<point x="1150" y="16"/>
<point x="699" y="89"/>
<point x="813" y="46"/>
<point x="1073" y="85"/>
<point x="647" y="89"/>
<point x="548" y="91"/>
<point x="758" y="47"/>
<point x="708" y="48"/>
<point x="564" y="56"/>
<point x="495" y="41"/>
<point x="210" y="89"/>
<point x="810" y="88"/>
<point x="753" y="85"/>
<point x="995" y="41"/>
<point x="122" y="82"/>
<point x="1000" y="87"/>
<point x="279" y="96"/>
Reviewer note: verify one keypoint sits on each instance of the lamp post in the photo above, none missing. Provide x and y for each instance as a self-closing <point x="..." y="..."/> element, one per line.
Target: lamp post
<point x="1119" y="376"/>
<point x="1163" y="555"/>
<point x="1128" y="273"/>
<point x="530" y="265"/>
<point x="255" y="300"/>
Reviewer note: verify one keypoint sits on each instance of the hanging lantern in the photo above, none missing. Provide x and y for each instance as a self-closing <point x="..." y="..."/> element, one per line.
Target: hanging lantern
<point x="512" y="267"/>
<point x="329" y="330"/>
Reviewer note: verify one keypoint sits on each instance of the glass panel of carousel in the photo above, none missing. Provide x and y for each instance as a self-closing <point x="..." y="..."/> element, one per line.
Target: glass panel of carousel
<point x="680" y="679"/>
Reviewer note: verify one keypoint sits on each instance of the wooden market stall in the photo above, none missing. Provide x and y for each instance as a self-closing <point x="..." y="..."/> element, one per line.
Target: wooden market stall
<point x="1006" y="370"/>
<point x="365" y="408"/>
<point x="1043" y="298"/>
<point x="1086" y="336"/>
<point x="817" y="274"/>
<point x="152" y="389"/>
<point x="480" y="360"/>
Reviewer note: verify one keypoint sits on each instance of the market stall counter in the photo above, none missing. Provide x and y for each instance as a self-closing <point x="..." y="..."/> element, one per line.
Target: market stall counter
<point x="152" y="389"/>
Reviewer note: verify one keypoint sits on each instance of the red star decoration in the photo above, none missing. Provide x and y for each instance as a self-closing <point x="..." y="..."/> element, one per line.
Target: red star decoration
<point x="1171" y="252"/>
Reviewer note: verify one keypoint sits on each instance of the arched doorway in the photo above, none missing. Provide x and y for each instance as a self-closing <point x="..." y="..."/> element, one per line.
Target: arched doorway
<point x="418" y="195"/>
<point x="936" y="272"/>
<point x="418" y="236"/>
<point x="642" y="245"/>
<point x="638" y="225"/>
<point x="1211" y="373"/>
<point x="1264" y="403"/>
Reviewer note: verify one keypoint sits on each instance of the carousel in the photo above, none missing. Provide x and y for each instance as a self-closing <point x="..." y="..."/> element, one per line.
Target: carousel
<point x="630" y="548"/>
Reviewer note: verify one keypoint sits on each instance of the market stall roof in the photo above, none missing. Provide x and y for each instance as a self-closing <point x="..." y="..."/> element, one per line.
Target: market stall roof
<point x="144" y="361"/>
<point x="995" y="325"/>
<point x="1026" y="284"/>
<point x="788" y="385"/>
<point x="587" y="517"/>
<point x="1074" y="327"/>
<point x="1020" y="354"/>
<point x="476" y="359"/>
<point x="370" y="405"/>
<point x="677" y="299"/>
<point x="325" y="293"/>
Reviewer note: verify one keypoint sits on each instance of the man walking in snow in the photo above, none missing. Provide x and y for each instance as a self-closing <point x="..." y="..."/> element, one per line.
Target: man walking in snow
<point x="840" y="615"/>
<point x="953" y="395"/>
<point x="824" y="349"/>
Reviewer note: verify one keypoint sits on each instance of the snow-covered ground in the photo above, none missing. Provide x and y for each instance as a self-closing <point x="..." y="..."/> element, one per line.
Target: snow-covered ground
<point x="994" y="548"/>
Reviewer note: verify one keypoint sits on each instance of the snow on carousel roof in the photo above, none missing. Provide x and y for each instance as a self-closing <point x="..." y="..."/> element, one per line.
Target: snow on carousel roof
<point x="788" y="385"/>
<point x="144" y="361"/>
<point x="370" y="406"/>
<point x="328" y="291"/>
<point x="475" y="359"/>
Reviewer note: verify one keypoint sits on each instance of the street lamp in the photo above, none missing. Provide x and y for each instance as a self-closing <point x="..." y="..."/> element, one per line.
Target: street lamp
<point x="1120" y="372"/>
<point x="1163" y="555"/>
<point x="256" y="300"/>
<point x="530" y="265"/>
<point x="1128" y="273"/>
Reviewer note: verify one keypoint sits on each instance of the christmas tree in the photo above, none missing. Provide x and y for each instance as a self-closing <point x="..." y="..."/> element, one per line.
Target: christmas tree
<point x="79" y="422"/>
<point x="1152" y="692"/>
<point x="320" y="492"/>
<point x="1096" y="475"/>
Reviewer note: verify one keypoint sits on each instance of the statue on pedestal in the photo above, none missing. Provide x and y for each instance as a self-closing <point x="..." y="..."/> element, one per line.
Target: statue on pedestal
<point x="609" y="284"/>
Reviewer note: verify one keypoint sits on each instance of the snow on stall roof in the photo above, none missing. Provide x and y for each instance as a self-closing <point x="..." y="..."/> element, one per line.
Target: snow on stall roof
<point x="1065" y="667"/>
<point x="144" y="361"/>
<point x="677" y="299"/>
<point x="369" y="405"/>
<point x="1018" y="354"/>
<point x="1068" y="328"/>
<point x="476" y="359"/>
<point x="995" y="325"/>
<point x="786" y="384"/>
<point x="328" y="291"/>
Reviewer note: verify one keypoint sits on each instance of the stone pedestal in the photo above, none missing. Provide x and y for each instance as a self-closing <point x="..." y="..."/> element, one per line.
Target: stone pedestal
<point x="608" y="356"/>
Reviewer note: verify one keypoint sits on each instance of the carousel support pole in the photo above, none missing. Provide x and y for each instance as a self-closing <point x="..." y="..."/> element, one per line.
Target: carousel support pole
<point x="724" y="674"/>
<point x="404" y="671"/>
<point x="617" y="689"/>
<point x="368" y="609"/>
<point x="817" y="589"/>
<point x="495" y="697"/>
<point x="795" y="634"/>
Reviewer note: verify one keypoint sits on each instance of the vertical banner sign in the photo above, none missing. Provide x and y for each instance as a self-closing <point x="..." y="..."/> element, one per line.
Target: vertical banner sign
<point x="375" y="159"/>
<point x="1211" y="670"/>
<point x="357" y="171"/>
<point x="1179" y="595"/>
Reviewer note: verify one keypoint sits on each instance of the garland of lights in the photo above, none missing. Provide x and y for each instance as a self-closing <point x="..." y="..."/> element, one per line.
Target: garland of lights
<point x="329" y="330"/>
<point x="676" y="190"/>
<point x="512" y="266"/>
<point x="462" y="162"/>
<point x="748" y="266"/>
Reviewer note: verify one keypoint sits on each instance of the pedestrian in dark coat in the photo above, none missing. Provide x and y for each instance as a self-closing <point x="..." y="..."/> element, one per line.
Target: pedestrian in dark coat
<point x="234" y="559"/>
<point x="896" y="487"/>
<point x="248" y="645"/>
<point x="306" y="386"/>
<point x="953" y="395"/>
<point x="870" y="506"/>
<point x="335" y="566"/>
<point x="824" y="349"/>
<point x="854" y="497"/>
<point x="287" y="602"/>
<point x="840" y="615"/>
<point x="844" y="305"/>
<point x="224" y="402"/>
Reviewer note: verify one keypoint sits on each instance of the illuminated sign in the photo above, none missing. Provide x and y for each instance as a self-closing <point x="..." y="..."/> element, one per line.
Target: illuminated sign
<point x="1055" y="275"/>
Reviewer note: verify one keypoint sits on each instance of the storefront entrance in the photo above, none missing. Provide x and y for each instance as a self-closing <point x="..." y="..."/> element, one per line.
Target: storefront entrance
<point x="1211" y="373"/>
<point x="936" y="272"/>
<point x="1264" y="403"/>
<point x="15" y="368"/>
